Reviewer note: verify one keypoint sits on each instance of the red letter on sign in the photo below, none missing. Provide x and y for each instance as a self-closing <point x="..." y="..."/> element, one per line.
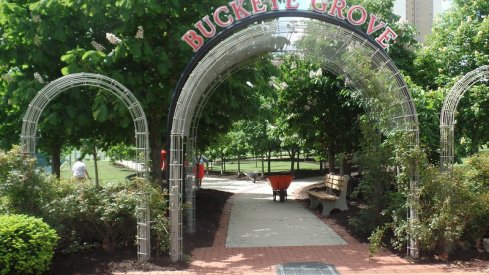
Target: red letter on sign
<point x="362" y="19"/>
<point x="218" y="20"/>
<point x="193" y="40"/>
<point x="202" y="29"/>
<point x="275" y="6"/>
<point x="386" y="36"/>
<point x="258" y="6"/>
<point x="322" y="7"/>
<point x="337" y="9"/>
<point x="238" y="9"/>
<point x="291" y="5"/>
<point x="371" y="25"/>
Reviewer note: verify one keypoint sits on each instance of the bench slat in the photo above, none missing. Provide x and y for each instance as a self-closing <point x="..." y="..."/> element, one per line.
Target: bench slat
<point x="322" y="195"/>
<point x="334" y="182"/>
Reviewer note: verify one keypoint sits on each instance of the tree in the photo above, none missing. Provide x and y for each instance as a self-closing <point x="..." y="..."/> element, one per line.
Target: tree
<point x="428" y="108"/>
<point x="239" y="97"/>
<point x="34" y="37"/>
<point x="402" y="52"/>
<point x="36" y="34"/>
<point x="457" y="45"/>
<point x="307" y="95"/>
<point x="137" y="41"/>
<point x="326" y="101"/>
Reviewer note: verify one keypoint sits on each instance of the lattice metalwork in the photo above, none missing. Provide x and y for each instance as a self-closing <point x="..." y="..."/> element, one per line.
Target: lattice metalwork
<point x="448" y="114"/>
<point x="191" y="184"/>
<point x="60" y="85"/>
<point x="350" y="53"/>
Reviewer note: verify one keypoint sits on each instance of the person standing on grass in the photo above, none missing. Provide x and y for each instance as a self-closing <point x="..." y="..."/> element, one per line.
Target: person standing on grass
<point x="79" y="170"/>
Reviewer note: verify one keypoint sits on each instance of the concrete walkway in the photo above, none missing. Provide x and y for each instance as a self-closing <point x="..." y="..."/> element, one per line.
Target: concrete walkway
<point x="258" y="221"/>
<point x="233" y="253"/>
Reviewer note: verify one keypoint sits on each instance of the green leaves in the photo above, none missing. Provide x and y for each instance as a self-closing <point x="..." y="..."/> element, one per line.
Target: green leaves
<point x="456" y="46"/>
<point x="26" y="245"/>
<point x="94" y="57"/>
<point x="11" y="8"/>
<point x="101" y="112"/>
<point x="71" y="69"/>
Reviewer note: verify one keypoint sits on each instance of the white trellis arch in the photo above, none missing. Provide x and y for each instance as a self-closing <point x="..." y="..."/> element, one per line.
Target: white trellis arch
<point x="448" y="112"/>
<point x="252" y="37"/>
<point x="62" y="84"/>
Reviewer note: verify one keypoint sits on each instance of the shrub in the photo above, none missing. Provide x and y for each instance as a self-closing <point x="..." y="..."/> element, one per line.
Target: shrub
<point x="378" y="184"/>
<point x="24" y="189"/>
<point x="26" y="245"/>
<point x="106" y="215"/>
<point x="455" y="207"/>
<point x="121" y="152"/>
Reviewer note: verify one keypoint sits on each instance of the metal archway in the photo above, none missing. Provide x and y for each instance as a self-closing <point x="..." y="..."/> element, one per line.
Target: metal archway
<point x="265" y="33"/>
<point x="447" y="117"/>
<point x="62" y="84"/>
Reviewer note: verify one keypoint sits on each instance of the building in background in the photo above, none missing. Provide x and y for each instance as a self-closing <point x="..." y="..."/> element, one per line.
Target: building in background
<point x="421" y="13"/>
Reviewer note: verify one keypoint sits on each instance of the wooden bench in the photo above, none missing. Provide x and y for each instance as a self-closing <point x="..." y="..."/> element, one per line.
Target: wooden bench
<point x="334" y="197"/>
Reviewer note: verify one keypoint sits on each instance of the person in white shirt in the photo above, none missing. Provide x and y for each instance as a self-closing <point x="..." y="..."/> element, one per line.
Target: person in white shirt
<point x="79" y="170"/>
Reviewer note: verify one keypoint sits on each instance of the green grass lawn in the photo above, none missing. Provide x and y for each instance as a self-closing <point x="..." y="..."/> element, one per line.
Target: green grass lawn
<point x="113" y="173"/>
<point x="276" y="166"/>
<point x="106" y="171"/>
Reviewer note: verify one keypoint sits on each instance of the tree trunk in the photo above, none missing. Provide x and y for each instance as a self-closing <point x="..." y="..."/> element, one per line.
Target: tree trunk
<point x="56" y="160"/>
<point x="331" y="160"/>
<point x="347" y="165"/>
<point x="262" y="165"/>
<point x="239" y="165"/>
<point x="298" y="159"/>
<point x="321" y="164"/>
<point x="269" y="160"/>
<point x="95" y="165"/>
<point x="292" y="159"/>
<point x="223" y="165"/>
<point x="108" y="243"/>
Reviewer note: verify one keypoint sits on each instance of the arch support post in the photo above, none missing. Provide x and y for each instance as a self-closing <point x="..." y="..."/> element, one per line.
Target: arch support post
<point x="176" y="188"/>
<point x="413" y="244"/>
<point x="191" y="185"/>
<point x="447" y="156"/>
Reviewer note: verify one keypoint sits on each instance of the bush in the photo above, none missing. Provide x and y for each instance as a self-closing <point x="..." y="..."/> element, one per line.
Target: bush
<point x="83" y="215"/>
<point x="121" y="152"/>
<point x="26" y="245"/>
<point x="379" y="188"/>
<point x="106" y="215"/>
<point x="24" y="189"/>
<point x="453" y="207"/>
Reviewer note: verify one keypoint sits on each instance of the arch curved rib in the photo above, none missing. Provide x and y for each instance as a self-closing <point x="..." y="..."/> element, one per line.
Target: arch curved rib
<point x="60" y="85"/>
<point x="448" y="113"/>
<point x="251" y="37"/>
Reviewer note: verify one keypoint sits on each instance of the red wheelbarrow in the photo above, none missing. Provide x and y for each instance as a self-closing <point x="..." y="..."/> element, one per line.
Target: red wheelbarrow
<point x="279" y="184"/>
